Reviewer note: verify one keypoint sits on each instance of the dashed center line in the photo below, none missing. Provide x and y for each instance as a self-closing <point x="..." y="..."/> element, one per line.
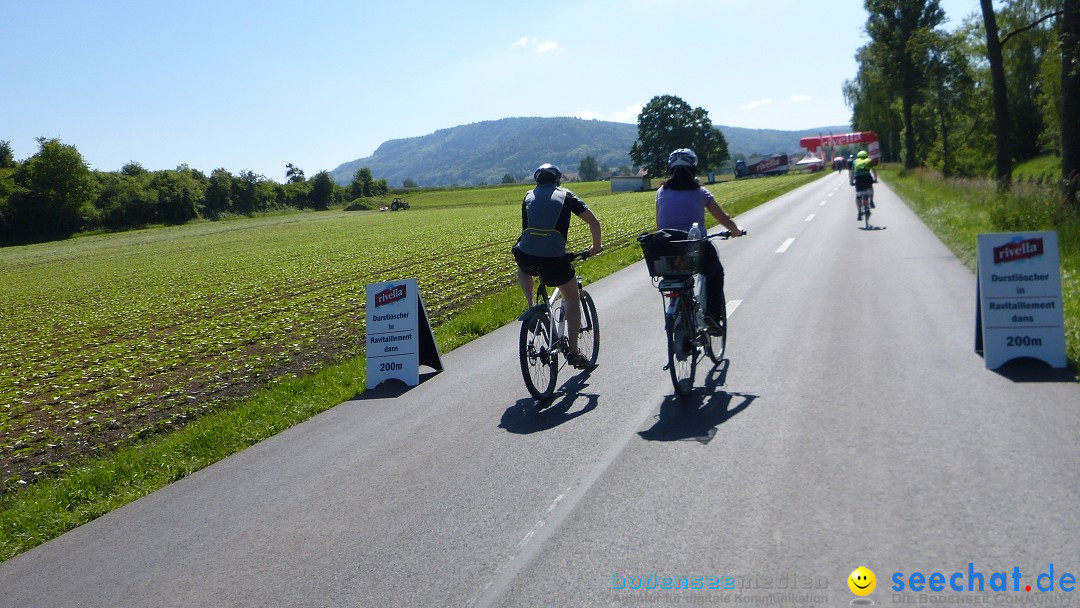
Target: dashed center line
<point x="810" y="217"/>
<point x="785" y="246"/>
<point x="823" y="203"/>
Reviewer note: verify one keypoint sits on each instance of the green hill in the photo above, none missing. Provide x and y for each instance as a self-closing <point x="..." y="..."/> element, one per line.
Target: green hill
<point x="484" y="152"/>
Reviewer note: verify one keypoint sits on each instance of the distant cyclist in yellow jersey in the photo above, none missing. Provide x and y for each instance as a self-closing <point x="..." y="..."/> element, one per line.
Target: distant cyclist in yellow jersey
<point x="863" y="177"/>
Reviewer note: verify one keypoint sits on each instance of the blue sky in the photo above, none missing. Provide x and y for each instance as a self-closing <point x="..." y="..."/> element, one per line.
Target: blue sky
<point x="253" y="85"/>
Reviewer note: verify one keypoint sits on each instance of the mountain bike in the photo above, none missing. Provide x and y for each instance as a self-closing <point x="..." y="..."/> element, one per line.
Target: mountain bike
<point x="673" y="265"/>
<point x="544" y="336"/>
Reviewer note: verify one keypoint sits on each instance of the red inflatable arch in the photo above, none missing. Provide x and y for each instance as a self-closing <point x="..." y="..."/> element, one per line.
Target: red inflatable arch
<point x="822" y="143"/>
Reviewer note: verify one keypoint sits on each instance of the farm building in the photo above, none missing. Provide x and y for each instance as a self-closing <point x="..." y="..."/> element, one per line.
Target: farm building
<point x="630" y="184"/>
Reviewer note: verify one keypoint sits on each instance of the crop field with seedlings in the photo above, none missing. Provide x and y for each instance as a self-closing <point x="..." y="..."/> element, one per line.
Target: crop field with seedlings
<point x="106" y="340"/>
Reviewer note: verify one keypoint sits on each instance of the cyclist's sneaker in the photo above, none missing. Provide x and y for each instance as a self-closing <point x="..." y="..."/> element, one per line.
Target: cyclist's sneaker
<point x="713" y="325"/>
<point x="859" y="219"/>
<point x="578" y="360"/>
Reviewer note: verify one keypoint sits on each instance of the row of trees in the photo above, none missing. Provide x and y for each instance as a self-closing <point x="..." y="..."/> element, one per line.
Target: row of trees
<point x="999" y="89"/>
<point x="54" y="194"/>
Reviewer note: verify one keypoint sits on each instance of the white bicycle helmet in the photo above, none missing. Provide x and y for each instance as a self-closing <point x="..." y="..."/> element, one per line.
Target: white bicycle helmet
<point x="683" y="157"/>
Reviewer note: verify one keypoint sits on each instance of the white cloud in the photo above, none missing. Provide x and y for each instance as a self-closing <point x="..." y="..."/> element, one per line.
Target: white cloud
<point x="800" y="98"/>
<point x="546" y="47"/>
<point x="757" y="103"/>
<point x="535" y="45"/>
<point x="630" y="114"/>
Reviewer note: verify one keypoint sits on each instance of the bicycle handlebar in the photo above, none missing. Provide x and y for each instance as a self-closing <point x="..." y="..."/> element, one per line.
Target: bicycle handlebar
<point x="724" y="234"/>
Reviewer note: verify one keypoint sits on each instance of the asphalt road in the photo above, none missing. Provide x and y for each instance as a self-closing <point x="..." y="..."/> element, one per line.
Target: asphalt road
<point x="853" y="425"/>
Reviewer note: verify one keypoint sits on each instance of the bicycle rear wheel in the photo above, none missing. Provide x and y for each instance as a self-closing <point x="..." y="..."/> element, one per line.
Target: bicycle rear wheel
<point x="539" y="359"/>
<point x="589" y="336"/>
<point x="717" y="339"/>
<point x="682" y="352"/>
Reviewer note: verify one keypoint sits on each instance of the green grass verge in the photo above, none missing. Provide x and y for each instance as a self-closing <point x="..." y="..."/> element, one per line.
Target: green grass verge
<point x="1042" y="170"/>
<point x="959" y="210"/>
<point x="49" y="508"/>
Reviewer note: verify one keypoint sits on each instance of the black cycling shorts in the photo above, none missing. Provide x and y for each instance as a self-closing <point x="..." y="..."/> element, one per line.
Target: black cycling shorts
<point x="553" y="271"/>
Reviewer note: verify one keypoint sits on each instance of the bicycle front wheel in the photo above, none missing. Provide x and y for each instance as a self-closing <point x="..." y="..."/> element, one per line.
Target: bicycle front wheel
<point x="589" y="336"/>
<point x="717" y="339"/>
<point x="682" y="353"/>
<point x="539" y="359"/>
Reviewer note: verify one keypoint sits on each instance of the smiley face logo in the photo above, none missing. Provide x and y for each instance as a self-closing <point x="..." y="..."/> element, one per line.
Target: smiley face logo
<point x="862" y="581"/>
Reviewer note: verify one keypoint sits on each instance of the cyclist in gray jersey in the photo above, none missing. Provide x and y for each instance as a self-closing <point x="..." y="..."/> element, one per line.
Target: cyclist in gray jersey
<point x="541" y="248"/>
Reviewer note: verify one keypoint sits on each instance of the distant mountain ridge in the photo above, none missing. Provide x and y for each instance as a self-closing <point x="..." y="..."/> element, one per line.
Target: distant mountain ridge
<point x="484" y="152"/>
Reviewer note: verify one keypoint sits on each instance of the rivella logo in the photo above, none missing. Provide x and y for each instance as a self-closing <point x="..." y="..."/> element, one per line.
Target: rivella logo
<point x="1018" y="250"/>
<point x="391" y="294"/>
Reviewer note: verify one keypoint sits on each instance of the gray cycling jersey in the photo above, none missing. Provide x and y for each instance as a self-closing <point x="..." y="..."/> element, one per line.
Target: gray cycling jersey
<point x="543" y="207"/>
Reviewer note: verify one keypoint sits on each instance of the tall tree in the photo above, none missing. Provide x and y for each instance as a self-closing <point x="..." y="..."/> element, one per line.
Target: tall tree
<point x="950" y="82"/>
<point x="244" y="192"/>
<point x="293" y="174"/>
<point x="871" y="104"/>
<point x="362" y="182"/>
<point x="901" y="33"/>
<point x="995" y="43"/>
<point x="58" y="190"/>
<point x="322" y="190"/>
<point x="179" y="196"/>
<point x="133" y="169"/>
<point x="589" y="169"/>
<point x="1002" y="127"/>
<point x="7" y="155"/>
<point x="219" y="193"/>
<point x="1070" y="99"/>
<point x="667" y="123"/>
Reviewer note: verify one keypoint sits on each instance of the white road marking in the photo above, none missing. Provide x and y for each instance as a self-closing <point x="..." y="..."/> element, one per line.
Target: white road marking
<point x="810" y="217"/>
<point x="731" y="306"/>
<point x="823" y="203"/>
<point x="520" y="546"/>
<point x="785" y="246"/>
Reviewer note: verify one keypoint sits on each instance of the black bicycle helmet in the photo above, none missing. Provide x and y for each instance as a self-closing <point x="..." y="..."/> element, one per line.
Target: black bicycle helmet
<point x="547" y="173"/>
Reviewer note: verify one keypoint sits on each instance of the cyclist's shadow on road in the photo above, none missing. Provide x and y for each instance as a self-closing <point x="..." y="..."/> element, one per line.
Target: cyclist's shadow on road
<point x="697" y="417"/>
<point x="531" y="416"/>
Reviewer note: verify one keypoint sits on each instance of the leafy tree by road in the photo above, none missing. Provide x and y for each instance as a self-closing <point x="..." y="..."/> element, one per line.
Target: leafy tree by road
<point x="588" y="169"/>
<point x="667" y="123"/>
<point x="901" y="34"/>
